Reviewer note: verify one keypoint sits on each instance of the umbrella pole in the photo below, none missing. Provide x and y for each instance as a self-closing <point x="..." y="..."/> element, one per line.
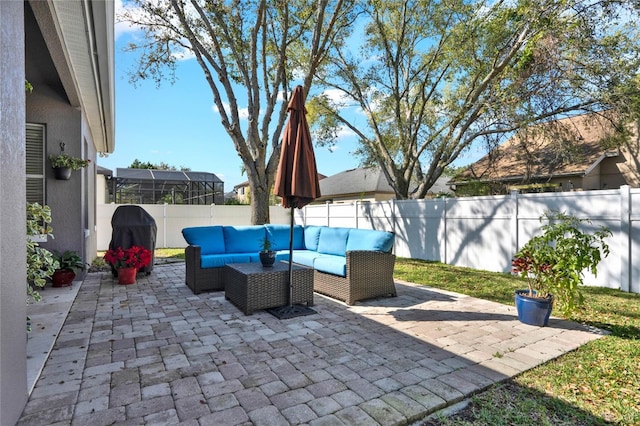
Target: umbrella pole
<point x="291" y="260"/>
<point x="291" y="310"/>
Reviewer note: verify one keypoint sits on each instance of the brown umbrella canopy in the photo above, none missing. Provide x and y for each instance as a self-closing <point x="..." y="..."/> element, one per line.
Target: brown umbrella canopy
<point x="297" y="176"/>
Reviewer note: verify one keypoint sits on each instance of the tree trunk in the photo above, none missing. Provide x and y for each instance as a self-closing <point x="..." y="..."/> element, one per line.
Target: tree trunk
<point x="259" y="204"/>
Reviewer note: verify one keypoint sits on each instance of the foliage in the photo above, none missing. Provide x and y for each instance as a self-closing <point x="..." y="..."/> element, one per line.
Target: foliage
<point x="266" y="244"/>
<point x="247" y="50"/>
<point x="554" y="262"/>
<point x="41" y="263"/>
<point x="66" y="160"/>
<point x="434" y="79"/>
<point x="68" y="260"/>
<point x="597" y="384"/>
<point x="133" y="257"/>
<point x="137" y="164"/>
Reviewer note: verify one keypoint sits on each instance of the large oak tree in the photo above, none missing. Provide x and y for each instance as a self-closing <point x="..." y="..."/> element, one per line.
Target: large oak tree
<point x="247" y="49"/>
<point x="433" y="77"/>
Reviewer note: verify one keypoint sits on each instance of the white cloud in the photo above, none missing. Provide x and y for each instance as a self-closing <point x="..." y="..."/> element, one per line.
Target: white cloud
<point x="242" y="112"/>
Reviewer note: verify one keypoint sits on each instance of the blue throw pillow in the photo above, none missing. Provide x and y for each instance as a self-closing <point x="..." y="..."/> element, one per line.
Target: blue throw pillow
<point x="244" y="239"/>
<point x="209" y="238"/>
<point x="312" y="236"/>
<point x="369" y="239"/>
<point x="279" y="236"/>
<point x="333" y="241"/>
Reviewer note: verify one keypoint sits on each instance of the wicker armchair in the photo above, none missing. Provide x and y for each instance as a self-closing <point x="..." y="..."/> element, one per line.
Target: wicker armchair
<point x="199" y="279"/>
<point x="369" y="274"/>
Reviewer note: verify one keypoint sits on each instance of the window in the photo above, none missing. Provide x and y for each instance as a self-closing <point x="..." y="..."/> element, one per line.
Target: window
<point x="35" y="149"/>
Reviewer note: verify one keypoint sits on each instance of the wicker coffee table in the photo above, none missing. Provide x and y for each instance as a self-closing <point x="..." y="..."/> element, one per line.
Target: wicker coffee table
<point x="252" y="287"/>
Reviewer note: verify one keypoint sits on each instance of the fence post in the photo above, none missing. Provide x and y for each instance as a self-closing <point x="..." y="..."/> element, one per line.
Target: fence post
<point x="514" y="222"/>
<point x="445" y="238"/>
<point x="355" y="208"/>
<point x="625" y="238"/>
<point x="164" y="224"/>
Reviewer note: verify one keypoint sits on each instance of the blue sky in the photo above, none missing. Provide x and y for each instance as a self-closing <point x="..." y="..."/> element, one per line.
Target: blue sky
<point x="178" y="125"/>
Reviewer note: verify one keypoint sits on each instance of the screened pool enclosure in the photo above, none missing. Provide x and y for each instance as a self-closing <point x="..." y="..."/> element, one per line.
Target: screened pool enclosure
<point x="145" y="186"/>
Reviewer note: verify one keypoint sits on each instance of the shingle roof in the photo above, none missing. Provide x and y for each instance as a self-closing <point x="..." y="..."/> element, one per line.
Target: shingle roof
<point x="355" y="181"/>
<point x="573" y="147"/>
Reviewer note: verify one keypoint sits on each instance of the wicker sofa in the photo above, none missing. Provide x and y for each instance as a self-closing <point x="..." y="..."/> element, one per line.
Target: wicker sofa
<point x="349" y="264"/>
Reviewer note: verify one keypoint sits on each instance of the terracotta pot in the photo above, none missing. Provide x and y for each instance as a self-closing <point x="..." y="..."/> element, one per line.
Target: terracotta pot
<point x="63" y="277"/>
<point x="127" y="275"/>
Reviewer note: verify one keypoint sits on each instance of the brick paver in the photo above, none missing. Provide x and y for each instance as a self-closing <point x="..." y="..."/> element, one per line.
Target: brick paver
<point x="155" y="353"/>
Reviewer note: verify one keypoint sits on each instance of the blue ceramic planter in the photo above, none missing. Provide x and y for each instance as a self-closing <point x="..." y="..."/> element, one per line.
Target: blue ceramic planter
<point x="531" y="310"/>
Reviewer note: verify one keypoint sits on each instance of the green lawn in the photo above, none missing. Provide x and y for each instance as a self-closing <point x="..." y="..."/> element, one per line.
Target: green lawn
<point x="597" y="384"/>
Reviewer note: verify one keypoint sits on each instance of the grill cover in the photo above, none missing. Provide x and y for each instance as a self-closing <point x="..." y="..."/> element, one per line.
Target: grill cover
<point x="133" y="226"/>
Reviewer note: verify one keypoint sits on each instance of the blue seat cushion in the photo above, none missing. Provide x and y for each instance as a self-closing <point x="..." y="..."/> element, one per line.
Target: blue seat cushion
<point x="369" y="239"/>
<point x="333" y="241"/>
<point x="312" y="236"/>
<point x="305" y="257"/>
<point x="282" y="255"/>
<point x="220" y="260"/>
<point x="244" y="239"/>
<point x="279" y="236"/>
<point x="209" y="238"/>
<point x="331" y="264"/>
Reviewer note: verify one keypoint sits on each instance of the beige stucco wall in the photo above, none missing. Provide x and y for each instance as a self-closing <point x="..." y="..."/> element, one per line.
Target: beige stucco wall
<point x="13" y="345"/>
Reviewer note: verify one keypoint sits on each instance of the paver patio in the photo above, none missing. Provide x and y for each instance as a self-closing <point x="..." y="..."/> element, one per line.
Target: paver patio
<point x="155" y="353"/>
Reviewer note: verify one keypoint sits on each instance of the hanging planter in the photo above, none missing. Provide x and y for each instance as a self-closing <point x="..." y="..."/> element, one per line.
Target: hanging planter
<point x="63" y="164"/>
<point x="127" y="275"/>
<point x="62" y="173"/>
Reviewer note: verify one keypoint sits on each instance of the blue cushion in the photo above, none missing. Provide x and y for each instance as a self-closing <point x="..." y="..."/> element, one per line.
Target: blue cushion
<point x="279" y="236"/>
<point x="333" y="241"/>
<point x="219" y="260"/>
<point x="244" y="239"/>
<point x="311" y="237"/>
<point x="336" y="265"/>
<point x="369" y="239"/>
<point x="282" y="255"/>
<point x="209" y="238"/>
<point x="305" y="257"/>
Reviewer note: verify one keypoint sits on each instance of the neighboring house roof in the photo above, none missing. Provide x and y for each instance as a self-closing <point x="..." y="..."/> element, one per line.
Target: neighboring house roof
<point x="246" y="182"/>
<point x="355" y="182"/>
<point x="571" y="146"/>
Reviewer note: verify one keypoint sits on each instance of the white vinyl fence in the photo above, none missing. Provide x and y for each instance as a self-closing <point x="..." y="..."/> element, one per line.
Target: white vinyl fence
<point x="171" y="218"/>
<point x="476" y="232"/>
<point x="485" y="232"/>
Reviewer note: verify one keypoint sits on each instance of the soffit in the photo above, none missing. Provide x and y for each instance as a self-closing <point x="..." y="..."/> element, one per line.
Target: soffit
<point x="79" y="36"/>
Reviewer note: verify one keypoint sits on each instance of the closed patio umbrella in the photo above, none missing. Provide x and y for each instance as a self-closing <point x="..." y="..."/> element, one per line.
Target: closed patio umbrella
<point x="296" y="181"/>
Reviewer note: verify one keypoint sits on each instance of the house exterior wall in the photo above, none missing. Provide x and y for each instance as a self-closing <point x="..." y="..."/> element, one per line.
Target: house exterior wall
<point x="13" y="312"/>
<point x="66" y="124"/>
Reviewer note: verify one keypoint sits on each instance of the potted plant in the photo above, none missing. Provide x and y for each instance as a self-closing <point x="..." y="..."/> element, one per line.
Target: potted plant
<point x="553" y="264"/>
<point x="63" y="164"/>
<point x="267" y="256"/>
<point x="68" y="262"/>
<point x="128" y="261"/>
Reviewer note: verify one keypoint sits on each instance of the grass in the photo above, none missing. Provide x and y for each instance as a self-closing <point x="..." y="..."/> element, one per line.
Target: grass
<point x="597" y="384"/>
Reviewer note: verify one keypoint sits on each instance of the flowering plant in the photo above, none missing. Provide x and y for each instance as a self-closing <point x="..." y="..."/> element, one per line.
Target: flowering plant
<point x="134" y="257"/>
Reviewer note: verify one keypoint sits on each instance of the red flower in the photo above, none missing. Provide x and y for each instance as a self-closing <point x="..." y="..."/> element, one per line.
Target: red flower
<point x="134" y="257"/>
